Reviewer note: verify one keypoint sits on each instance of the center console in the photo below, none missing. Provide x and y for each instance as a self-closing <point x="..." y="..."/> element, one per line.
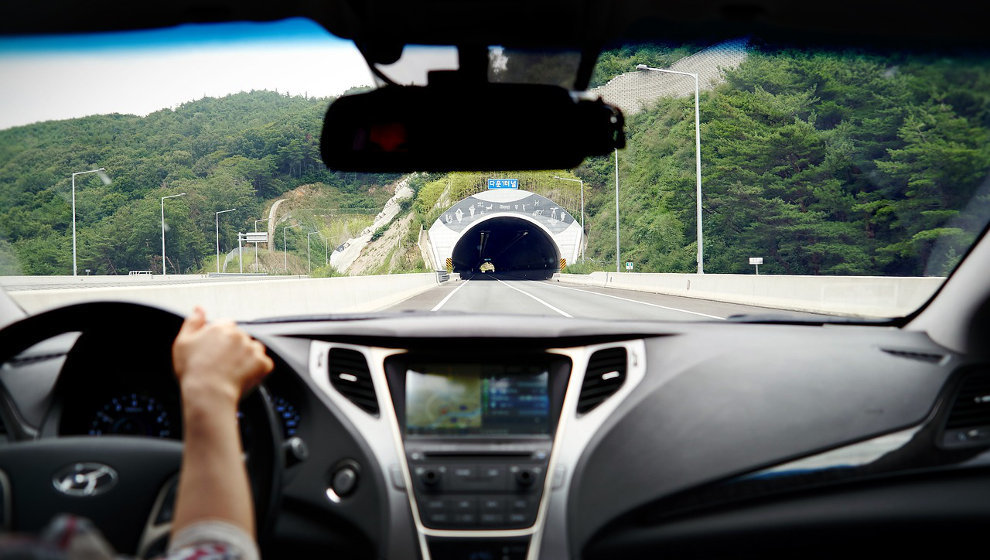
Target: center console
<point x="477" y="437"/>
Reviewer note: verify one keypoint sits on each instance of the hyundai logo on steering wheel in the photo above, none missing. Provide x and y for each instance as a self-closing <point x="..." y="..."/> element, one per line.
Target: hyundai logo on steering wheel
<point x="85" y="479"/>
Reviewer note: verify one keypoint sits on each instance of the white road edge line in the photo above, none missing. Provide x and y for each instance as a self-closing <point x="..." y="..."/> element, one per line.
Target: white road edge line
<point x="642" y="302"/>
<point x="450" y="295"/>
<point x="564" y="313"/>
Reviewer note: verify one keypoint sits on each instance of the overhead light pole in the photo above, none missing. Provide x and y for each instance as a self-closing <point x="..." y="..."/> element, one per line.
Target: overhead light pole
<point x="617" y="256"/>
<point x="582" y="209"/>
<point x="218" y="235"/>
<point x="285" y="257"/>
<point x="309" y="262"/>
<point x="101" y="172"/>
<point x="256" y="244"/>
<point x="697" y="155"/>
<point x="163" y="228"/>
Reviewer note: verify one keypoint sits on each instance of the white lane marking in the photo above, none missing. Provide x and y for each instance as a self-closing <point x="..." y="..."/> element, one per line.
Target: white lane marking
<point x="564" y="313"/>
<point x="642" y="302"/>
<point x="450" y="295"/>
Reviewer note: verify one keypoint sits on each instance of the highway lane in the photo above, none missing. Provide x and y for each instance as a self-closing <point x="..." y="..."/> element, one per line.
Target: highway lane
<point x="502" y="294"/>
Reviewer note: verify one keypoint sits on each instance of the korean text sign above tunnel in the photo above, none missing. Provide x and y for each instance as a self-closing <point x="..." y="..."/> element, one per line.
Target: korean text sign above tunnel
<point x="503" y="183"/>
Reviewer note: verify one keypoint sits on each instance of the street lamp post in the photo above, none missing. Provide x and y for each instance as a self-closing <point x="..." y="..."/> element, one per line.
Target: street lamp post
<point x="163" y="228"/>
<point x="101" y="172"/>
<point x="285" y="257"/>
<point x="326" y="251"/>
<point x="617" y="256"/>
<point x="582" y="210"/>
<point x="697" y="155"/>
<point x="256" y="244"/>
<point x="309" y="262"/>
<point x="218" y="235"/>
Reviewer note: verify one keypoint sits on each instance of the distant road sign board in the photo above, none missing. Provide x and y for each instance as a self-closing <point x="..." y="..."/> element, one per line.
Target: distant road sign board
<point x="503" y="183"/>
<point x="756" y="260"/>
<point x="256" y="237"/>
<point x="629" y="265"/>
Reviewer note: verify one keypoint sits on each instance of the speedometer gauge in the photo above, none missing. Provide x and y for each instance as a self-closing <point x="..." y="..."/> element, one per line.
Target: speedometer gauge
<point x="133" y="414"/>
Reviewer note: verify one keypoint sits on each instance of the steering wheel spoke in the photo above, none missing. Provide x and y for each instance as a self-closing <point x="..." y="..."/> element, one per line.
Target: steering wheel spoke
<point x="154" y="538"/>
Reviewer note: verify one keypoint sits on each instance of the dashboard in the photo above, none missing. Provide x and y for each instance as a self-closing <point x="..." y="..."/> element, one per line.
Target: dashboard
<point x="422" y="437"/>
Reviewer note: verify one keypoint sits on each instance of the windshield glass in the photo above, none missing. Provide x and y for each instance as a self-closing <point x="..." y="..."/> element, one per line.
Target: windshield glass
<point x="756" y="179"/>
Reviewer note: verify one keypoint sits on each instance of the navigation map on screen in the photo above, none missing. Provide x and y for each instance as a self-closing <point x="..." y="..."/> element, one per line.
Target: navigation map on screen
<point x="474" y="399"/>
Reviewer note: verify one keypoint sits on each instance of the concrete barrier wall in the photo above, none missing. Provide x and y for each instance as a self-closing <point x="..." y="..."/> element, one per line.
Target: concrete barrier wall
<point x="246" y="300"/>
<point x="15" y="283"/>
<point x="864" y="296"/>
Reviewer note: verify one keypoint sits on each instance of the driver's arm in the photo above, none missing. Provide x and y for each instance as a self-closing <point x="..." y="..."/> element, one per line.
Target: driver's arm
<point x="215" y="363"/>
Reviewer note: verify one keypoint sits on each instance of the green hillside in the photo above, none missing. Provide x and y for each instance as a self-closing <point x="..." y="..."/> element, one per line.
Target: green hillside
<point x="830" y="163"/>
<point x="240" y="151"/>
<point x="821" y="163"/>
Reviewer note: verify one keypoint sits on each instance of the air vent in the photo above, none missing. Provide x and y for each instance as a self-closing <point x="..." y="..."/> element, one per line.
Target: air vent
<point x="606" y="373"/>
<point x="921" y="356"/>
<point x="969" y="417"/>
<point x="349" y="374"/>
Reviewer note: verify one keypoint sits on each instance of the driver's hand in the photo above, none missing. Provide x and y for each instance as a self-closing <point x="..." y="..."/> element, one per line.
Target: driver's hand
<point x="217" y="358"/>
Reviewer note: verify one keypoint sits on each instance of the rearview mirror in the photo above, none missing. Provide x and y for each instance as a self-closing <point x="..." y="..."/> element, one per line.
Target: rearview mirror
<point x="490" y="127"/>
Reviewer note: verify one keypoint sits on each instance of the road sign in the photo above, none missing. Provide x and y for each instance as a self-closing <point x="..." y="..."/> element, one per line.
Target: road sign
<point x="256" y="237"/>
<point x="503" y="183"/>
<point x="629" y="265"/>
<point x="563" y="263"/>
<point x="756" y="261"/>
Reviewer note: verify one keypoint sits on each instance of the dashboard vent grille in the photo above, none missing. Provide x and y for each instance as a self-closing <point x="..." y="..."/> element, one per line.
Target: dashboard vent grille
<point x="606" y="373"/>
<point x="972" y="405"/>
<point x="922" y="356"/>
<point x="349" y="375"/>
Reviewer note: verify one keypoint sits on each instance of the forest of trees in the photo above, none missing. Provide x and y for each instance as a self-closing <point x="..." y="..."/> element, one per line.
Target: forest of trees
<point x="821" y="163"/>
<point x="846" y="163"/>
<point x="239" y="151"/>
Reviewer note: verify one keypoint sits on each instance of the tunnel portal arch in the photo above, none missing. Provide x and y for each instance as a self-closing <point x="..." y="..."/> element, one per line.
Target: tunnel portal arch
<point x="515" y="230"/>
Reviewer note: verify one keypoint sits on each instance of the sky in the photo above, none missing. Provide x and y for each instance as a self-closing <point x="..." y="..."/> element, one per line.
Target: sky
<point x="49" y="78"/>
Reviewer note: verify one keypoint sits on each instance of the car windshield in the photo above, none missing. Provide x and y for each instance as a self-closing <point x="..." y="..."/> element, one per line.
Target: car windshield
<point x="177" y="165"/>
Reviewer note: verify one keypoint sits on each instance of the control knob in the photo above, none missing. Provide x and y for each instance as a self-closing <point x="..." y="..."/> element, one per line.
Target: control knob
<point x="430" y="477"/>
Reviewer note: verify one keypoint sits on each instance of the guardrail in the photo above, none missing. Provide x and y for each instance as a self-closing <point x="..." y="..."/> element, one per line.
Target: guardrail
<point x="241" y="299"/>
<point x="863" y="296"/>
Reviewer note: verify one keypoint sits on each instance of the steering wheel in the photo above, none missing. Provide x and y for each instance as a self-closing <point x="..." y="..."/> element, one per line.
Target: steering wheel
<point x="125" y="485"/>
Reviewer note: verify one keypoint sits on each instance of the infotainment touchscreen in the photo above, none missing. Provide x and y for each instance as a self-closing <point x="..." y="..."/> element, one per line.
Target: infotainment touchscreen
<point x="477" y="399"/>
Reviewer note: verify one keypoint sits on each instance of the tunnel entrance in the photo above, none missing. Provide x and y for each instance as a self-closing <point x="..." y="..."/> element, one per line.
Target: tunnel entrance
<point x="509" y="244"/>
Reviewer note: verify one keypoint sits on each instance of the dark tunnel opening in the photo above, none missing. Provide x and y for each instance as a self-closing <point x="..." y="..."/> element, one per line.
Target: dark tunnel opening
<point x="510" y="245"/>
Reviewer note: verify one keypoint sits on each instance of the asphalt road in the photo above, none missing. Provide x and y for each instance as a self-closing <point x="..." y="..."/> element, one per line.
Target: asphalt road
<point x="501" y="294"/>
